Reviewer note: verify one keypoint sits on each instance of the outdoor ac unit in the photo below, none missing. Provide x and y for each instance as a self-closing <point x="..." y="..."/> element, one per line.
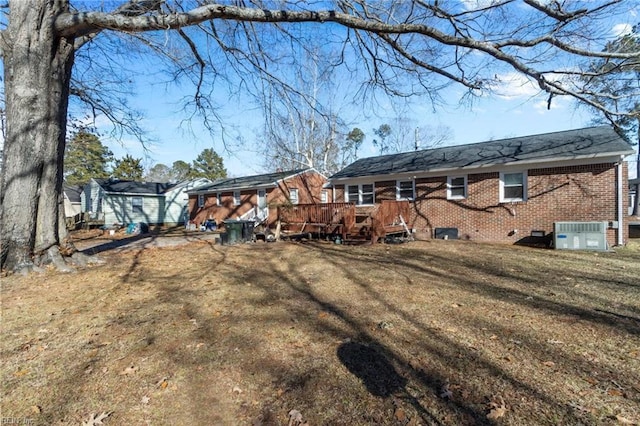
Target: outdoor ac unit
<point x="580" y="235"/>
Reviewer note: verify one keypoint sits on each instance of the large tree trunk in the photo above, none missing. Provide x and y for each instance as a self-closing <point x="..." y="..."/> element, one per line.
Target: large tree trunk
<point x="37" y="68"/>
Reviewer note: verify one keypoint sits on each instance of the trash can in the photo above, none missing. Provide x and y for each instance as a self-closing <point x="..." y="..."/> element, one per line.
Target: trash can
<point x="233" y="229"/>
<point x="247" y="230"/>
<point x="238" y="231"/>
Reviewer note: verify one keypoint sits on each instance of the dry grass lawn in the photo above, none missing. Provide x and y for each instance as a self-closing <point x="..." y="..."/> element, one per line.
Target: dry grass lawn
<point x="436" y="332"/>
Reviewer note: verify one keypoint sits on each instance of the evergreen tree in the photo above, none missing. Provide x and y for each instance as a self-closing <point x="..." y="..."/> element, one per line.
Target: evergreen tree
<point x="85" y="158"/>
<point x="208" y="165"/>
<point x="128" y="168"/>
<point x="180" y="170"/>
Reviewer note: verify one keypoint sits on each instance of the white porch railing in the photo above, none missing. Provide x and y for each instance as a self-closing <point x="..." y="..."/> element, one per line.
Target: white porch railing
<point x="257" y="214"/>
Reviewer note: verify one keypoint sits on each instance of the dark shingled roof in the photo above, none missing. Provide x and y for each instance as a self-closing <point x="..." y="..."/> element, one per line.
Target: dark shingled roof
<point x="592" y="141"/>
<point x="245" y="182"/>
<point x="132" y="187"/>
<point x="73" y="192"/>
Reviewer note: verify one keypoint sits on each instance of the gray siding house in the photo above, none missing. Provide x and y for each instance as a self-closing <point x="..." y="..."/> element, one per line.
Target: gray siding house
<point x="114" y="201"/>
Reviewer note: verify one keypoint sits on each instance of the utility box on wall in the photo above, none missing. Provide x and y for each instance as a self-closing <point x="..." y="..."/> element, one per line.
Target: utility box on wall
<point x="580" y="235"/>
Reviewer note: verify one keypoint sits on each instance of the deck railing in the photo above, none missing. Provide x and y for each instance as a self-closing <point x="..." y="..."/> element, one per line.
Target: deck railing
<point x="319" y="214"/>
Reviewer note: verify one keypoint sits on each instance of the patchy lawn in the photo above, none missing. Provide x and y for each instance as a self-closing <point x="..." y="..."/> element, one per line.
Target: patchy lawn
<point x="437" y="332"/>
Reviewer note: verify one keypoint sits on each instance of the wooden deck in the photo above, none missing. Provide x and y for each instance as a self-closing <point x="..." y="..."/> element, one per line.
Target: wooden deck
<point x="349" y="221"/>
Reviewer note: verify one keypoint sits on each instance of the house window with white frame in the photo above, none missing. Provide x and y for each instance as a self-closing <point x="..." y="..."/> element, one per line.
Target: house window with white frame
<point x="456" y="187"/>
<point x="136" y="204"/>
<point x="324" y="196"/>
<point x="218" y="199"/>
<point x="293" y="195"/>
<point x="236" y="198"/>
<point x="362" y="194"/>
<point x="405" y="190"/>
<point x="200" y="200"/>
<point x="513" y="187"/>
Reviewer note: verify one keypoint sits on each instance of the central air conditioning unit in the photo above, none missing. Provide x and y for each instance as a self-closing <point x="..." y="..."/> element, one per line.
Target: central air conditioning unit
<point x="580" y="235"/>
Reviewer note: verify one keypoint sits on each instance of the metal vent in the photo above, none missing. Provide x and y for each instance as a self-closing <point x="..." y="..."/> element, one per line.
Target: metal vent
<point x="597" y="227"/>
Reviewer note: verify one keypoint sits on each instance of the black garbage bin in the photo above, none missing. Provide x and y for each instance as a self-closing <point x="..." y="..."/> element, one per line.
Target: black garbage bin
<point x="233" y="231"/>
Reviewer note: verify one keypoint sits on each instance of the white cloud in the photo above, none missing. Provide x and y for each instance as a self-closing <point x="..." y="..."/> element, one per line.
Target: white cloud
<point x="619" y="30"/>
<point x="514" y="85"/>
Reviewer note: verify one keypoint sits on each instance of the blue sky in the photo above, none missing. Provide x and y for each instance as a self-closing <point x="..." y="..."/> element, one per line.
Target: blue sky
<point x="518" y="109"/>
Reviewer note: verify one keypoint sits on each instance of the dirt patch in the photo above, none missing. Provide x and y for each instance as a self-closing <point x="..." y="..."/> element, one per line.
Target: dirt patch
<point x="437" y="332"/>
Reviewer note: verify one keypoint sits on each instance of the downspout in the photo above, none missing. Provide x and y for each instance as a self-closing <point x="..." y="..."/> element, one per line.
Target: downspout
<point x="333" y="193"/>
<point x="620" y="203"/>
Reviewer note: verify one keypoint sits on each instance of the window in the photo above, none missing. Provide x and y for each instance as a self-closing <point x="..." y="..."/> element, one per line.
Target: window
<point x="236" y="198"/>
<point x="456" y="187"/>
<point x="200" y="200"/>
<point x="352" y="195"/>
<point x="404" y="190"/>
<point x="513" y="187"/>
<point x="360" y="194"/>
<point x="324" y="196"/>
<point x="293" y="195"/>
<point x="136" y="204"/>
<point x="218" y="199"/>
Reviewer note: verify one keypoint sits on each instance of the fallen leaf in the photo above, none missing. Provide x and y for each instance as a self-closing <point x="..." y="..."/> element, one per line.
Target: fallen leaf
<point x="615" y="392"/>
<point x="36" y="409"/>
<point x="625" y="421"/>
<point x="96" y="419"/>
<point x="497" y="409"/>
<point x="129" y="370"/>
<point x="549" y="363"/>
<point x="445" y="392"/>
<point x="21" y="373"/>
<point x="295" y="418"/>
<point x="400" y="415"/>
<point x="162" y="383"/>
<point x="236" y="389"/>
<point x="145" y="399"/>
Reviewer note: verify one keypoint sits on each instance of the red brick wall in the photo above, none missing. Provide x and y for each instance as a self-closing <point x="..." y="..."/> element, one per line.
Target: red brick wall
<point x="309" y="187"/>
<point x="576" y="193"/>
<point x="573" y="193"/>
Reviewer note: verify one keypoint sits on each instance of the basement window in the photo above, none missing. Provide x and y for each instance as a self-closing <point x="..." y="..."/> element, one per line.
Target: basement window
<point x="200" y="200"/>
<point x="236" y="198"/>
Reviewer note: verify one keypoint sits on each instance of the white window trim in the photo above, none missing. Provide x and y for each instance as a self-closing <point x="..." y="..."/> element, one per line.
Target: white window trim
<point x="292" y="199"/>
<point x="524" y="187"/>
<point x="218" y="199"/>
<point x="449" y="185"/>
<point x="413" y="190"/>
<point x="324" y="196"/>
<point x="360" y="193"/>
<point x="200" y="200"/>
<point x="236" y="198"/>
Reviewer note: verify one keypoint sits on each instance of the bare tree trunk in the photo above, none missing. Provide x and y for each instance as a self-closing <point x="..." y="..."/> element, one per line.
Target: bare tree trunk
<point x="634" y="211"/>
<point x="37" y="67"/>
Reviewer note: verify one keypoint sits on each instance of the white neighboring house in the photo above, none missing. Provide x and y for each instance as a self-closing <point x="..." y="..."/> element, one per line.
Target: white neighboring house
<point x="72" y="200"/>
<point x="115" y="201"/>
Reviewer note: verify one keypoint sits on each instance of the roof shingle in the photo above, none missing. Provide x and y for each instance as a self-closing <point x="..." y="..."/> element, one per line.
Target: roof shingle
<point x="592" y="141"/>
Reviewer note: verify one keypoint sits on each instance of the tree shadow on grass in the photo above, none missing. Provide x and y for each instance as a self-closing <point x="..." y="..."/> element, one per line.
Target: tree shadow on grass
<point x="372" y="368"/>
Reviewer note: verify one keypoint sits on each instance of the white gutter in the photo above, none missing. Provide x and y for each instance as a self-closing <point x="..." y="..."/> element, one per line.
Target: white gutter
<point x="620" y="203"/>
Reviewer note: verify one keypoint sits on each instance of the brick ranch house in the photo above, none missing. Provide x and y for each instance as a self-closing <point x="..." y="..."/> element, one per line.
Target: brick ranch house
<point x="256" y="197"/>
<point x="504" y="190"/>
